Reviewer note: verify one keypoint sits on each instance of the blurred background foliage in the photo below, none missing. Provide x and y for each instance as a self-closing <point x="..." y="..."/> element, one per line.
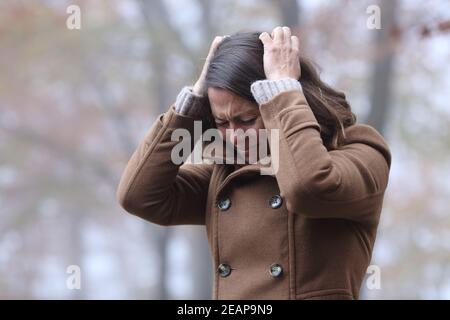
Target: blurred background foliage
<point x="75" y="103"/>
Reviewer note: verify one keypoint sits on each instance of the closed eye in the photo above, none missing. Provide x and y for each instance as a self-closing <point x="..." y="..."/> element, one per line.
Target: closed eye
<point x="221" y="123"/>
<point x="249" y="121"/>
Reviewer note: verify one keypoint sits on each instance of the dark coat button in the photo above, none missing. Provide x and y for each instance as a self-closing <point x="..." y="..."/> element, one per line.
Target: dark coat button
<point x="276" y="202"/>
<point x="224" y="270"/>
<point x="224" y="204"/>
<point x="275" y="270"/>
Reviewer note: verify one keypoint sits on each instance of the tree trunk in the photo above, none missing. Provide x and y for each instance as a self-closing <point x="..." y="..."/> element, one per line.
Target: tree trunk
<point x="381" y="83"/>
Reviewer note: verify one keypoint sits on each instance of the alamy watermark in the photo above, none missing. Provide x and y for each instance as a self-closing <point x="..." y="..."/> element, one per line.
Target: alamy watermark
<point x="73" y="281"/>
<point x="373" y="280"/>
<point x="250" y="148"/>
<point x="73" y="21"/>
<point x="373" y="22"/>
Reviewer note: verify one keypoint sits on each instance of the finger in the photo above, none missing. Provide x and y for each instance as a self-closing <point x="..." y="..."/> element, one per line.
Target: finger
<point x="286" y="33"/>
<point x="265" y="38"/>
<point x="295" y="43"/>
<point x="217" y="40"/>
<point x="278" y="34"/>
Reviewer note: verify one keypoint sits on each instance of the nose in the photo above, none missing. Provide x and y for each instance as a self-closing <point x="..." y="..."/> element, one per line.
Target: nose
<point x="233" y="134"/>
<point x="236" y="134"/>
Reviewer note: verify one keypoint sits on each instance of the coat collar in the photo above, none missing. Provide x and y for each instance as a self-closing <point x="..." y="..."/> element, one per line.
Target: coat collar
<point x="226" y="156"/>
<point x="225" y="161"/>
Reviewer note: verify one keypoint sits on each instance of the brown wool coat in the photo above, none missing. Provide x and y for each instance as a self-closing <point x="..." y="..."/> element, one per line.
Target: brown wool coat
<point x="323" y="233"/>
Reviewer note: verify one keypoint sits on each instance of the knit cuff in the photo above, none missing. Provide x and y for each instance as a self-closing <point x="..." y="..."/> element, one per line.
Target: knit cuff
<point x="190" y="104"/>
<point x="264" y="90"/>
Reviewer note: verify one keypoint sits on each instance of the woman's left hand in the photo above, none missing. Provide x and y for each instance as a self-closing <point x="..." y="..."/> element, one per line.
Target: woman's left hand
<point x="281" y="54"/>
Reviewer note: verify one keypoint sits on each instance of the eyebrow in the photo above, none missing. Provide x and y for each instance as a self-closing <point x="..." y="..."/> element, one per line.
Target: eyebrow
<point x="236" y="116"/>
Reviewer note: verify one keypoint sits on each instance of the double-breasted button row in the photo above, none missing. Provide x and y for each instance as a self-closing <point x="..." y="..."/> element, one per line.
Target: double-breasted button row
<point x="275" y="270"/>
<point x="275" y="202"/>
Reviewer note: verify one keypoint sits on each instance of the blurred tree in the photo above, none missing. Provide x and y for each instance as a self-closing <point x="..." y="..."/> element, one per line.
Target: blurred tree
<point x="290" y="12"/>
<point x="381" y="87"/>
<point x="74" y="104"/>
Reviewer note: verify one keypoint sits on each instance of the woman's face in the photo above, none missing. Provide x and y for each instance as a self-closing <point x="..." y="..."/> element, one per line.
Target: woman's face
<point x="233" y="112"/>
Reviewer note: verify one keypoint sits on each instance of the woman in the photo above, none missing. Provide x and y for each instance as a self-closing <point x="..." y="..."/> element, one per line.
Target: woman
<point x="307" y="230"/>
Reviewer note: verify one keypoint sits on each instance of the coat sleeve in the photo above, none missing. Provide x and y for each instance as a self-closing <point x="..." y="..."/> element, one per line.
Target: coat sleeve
<point x="346" y="183"/>
<point x="156" y="189"/>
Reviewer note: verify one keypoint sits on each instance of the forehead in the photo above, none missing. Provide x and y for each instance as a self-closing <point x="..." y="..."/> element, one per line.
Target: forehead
<point x="225" y="101"/>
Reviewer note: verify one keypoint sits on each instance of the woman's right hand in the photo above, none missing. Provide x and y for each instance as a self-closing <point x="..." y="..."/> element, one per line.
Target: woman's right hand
<point x="200" y="83"/>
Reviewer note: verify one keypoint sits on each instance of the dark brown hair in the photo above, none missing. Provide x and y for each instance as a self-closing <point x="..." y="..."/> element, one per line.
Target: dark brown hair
<point x="238" y="62"/>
